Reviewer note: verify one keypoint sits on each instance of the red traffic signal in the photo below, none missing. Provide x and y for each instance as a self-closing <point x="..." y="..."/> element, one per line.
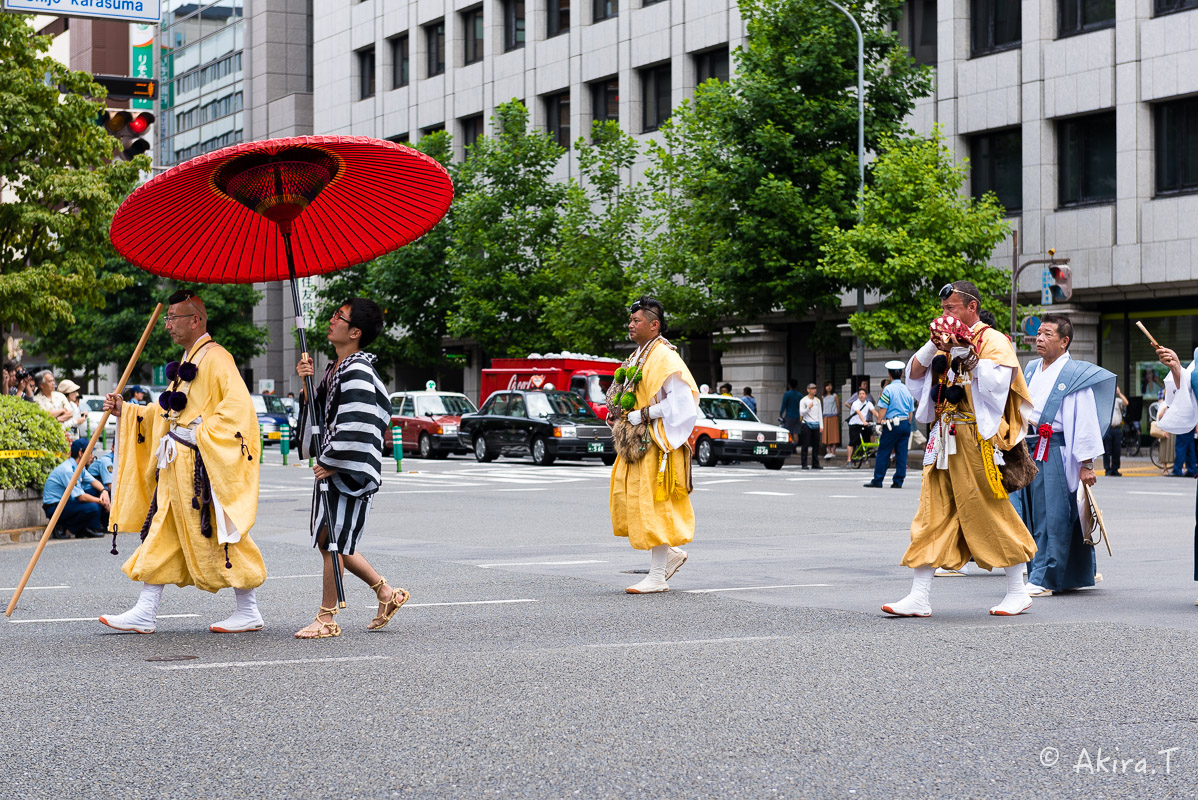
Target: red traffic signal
<point x="128" y="128"/>
<point x="1062" y="282"/>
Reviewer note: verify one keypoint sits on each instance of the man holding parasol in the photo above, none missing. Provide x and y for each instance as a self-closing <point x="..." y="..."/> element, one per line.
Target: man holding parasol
<point x="187" y="477"/>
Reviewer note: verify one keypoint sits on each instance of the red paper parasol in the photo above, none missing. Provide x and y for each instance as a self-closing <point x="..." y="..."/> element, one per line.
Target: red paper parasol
<point x="218" y="217"/>
<point x="282" y="209"/>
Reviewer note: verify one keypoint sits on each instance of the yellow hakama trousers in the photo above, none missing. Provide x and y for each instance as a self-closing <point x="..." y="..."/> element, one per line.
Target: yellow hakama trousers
<point x="959" y="517"/>
<point x="175" y="551"/>
<point x="636" y="513"/>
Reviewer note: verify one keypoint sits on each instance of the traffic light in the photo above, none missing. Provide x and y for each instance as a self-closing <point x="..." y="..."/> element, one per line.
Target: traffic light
<point x="1062" y="282"/>
<point x="130" y="129"/>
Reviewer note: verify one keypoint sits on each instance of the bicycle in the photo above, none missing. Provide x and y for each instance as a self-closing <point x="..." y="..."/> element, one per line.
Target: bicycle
<point x="866" y="450"/>
<point x="1131" y="439"/>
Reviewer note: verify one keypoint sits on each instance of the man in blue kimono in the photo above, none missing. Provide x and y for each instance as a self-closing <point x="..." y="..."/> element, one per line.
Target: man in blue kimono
<point x="1073" y="402"/>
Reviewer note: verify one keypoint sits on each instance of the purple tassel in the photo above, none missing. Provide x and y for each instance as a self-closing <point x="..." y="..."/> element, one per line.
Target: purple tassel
<point x="228" y="563"/>
<point x="178" y="400"/>
<point x="113" y="551"/>
<point x="195" y="503"/>
<point x="164" y="400"/>
<point x="172" y="370"/>
<point x="188" y="371"/>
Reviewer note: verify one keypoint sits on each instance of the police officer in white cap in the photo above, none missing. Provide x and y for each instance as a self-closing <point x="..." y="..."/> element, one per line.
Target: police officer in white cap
<point x="895" y="407"/>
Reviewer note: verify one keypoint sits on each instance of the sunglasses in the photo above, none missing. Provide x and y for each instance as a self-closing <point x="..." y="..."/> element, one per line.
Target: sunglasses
<point x="948" y="289"/>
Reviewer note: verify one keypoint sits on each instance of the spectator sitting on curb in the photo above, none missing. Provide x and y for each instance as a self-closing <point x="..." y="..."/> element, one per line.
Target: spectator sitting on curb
<point x="83" y="513"/>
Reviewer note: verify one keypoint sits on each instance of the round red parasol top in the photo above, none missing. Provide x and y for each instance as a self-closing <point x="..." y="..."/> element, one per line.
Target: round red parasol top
<point x="218" y="217"/>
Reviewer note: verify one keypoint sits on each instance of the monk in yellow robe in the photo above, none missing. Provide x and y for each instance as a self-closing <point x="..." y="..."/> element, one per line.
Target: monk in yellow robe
<point x="187" y="478"/>
<point x="970" y="388"/>
<point x="650" y="496"/>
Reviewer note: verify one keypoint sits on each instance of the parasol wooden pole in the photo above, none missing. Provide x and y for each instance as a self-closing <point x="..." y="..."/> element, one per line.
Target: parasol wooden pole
<point x="1152" y="341"/>
<point x="66" y="495"/>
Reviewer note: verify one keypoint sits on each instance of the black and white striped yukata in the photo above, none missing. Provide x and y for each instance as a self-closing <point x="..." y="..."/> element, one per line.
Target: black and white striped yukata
<point x="357" y="411"/>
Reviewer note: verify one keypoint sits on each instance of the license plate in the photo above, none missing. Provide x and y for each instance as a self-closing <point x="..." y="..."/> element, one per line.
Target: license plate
<point x="595" y="447"/>
<point x="761" y="450"/>
<point x="274" y="436"/>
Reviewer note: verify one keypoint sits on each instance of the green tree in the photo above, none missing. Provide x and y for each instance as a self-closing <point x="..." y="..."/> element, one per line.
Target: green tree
<point x="63" y="186"/>
<point x="413" y="284"/>
<point x="753" y="170"/>
<point x="102" y="336"/>
<point x="503" y="237"/>
<point x="918" y="233"/>
<point x="598" y="262"/>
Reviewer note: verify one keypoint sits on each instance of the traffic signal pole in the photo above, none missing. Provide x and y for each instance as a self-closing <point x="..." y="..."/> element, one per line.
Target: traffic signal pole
<point x="1017" y="268"/>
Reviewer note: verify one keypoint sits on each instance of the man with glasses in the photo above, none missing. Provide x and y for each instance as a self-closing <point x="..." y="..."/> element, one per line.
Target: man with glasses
<point x="187" y="477"/>
<point x="970" y="387"/>
<point x="1072" y="402"/>
<point x="650" y="494"/>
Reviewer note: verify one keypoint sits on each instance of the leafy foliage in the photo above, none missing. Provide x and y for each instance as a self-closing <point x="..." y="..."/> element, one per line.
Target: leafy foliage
<point x="24" y="426"/>
<point x="752" y="171"/>
<point x="918" y="233"/>
<point x="57" y="164"/>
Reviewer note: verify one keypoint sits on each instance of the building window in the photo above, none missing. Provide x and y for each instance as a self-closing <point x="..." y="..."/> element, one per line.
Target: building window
<point x="472" y="21"/>
<point x="917" y="30"/>
<point x="401" y="61"/>
<point x="606" y="9"/>
<point x="712" y="64"/>
<point x="431" y="129"/>
<point x="472" y="129"/>
<point x="1169" y="6"/>
<point x="434" y="35"/>
<point x="513" y="24"/>
<point x="1086" y="159"/>
<point x="557" y="110"/>
<point x="399" y="138"/>
<point x="996" y="161"/>
<point x="655" y="93"/>
<point x="996" y="25"/>
<point x="366" y="73"/>
<point x="1177" y="146"/>
<point x="605" y="100"/>
<point x="1079" y="16"/>
<point x="559" y="17"/>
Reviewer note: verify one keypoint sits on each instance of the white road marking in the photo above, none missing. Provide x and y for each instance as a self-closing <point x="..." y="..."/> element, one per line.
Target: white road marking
<point x="286" y="577"/>
<point x="755" y="588"/>
<point x="526" y="489"/>
<point x="723" y="480"/>
<point x="537" y="564"/>
<point x="90" y="619"/>
<point x="471" y="603"/>
<point x="773" y="494"/>
<point x="1165" y="494"/>
<point x="690" y="641"/>
<point x="225" y="664"/>
<point x="33" y="588"/>
<point x="844" y="496"/>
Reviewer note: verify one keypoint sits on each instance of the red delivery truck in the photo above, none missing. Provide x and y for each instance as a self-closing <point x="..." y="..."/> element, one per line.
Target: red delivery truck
<point x="586" y="376"/>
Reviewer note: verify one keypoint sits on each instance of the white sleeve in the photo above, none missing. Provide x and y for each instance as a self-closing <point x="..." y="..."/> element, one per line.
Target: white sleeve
<point x="990" y="396"/>
<point x="921" y="390"/>
<point x="1083" y="442"/>
<point x="1182" y="414"/>
<point x="680" y="411"/>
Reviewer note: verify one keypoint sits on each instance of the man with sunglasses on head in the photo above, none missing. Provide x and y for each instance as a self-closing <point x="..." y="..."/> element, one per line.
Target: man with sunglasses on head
<point x="970" y="388"/>
<point x="650" y="490"/>
<point x="187" y="478"/>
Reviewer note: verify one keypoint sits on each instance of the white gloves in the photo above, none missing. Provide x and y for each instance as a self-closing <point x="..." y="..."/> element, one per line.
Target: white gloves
<point x="927" y="353"/>
<point x="634" y="417"/>
<point x="655" y="411"/>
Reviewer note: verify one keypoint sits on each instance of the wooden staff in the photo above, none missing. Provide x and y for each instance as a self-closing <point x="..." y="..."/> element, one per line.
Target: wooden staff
<point x="1152" y="341"/>
<point x="66" y="495"/>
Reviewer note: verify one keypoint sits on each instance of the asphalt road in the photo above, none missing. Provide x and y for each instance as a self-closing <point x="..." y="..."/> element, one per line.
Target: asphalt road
<point x="521" y="669"/>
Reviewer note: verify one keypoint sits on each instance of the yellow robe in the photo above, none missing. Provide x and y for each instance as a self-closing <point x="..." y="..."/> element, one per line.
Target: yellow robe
<point x="636" y="511"/>
<point x="959" y="517"/>
<point x="174" y="550"/>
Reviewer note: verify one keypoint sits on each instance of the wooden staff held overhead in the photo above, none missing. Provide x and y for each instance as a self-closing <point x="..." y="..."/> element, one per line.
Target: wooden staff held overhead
<point x="1151" y="341"/>
<point x="66" y="495"/>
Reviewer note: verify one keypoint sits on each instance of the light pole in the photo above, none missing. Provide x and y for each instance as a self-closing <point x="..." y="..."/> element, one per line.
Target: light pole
<point x="860" y="161"/>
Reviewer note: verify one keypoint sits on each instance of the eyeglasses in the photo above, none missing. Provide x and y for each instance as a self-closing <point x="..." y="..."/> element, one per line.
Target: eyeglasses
<point x="338" y="315"/>
<point x="169" y="318"/>
<point x="948" y="289"/>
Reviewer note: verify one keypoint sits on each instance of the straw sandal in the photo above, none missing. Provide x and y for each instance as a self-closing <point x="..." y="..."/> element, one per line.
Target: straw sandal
<point x="393" y="604"/>
<point x="326" y="630"/>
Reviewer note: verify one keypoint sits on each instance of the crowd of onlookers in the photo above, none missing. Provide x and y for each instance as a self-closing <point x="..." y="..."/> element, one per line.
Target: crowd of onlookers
<point x="59" y="400"/>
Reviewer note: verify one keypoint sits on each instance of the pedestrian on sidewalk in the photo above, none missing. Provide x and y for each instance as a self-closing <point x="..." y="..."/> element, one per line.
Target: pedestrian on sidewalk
<point x="788" y="417"/>
<point x="831" y="436"/>
<point x="349" y="461"/>
<point x="650" y="501"/>
<point x="1112" y="443"/>
<point x="861" y="422"/>
<point x="811" y="426"/>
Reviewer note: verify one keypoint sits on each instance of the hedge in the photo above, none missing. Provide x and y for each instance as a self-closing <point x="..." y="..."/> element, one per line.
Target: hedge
<point x="24" y="426"/>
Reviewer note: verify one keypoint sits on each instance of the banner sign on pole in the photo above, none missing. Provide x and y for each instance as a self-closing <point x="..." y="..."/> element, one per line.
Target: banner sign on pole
<point x="141" y="58"/>
<point x="125" y="10"/>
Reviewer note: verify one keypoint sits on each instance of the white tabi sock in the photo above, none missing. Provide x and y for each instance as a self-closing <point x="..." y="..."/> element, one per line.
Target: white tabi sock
<point x="656" y="580"/>
<point x="143" y="617"/>
<point x="245" y="618"/>
<point x="918" y="602"/>
<point x="1016" y="600"/>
